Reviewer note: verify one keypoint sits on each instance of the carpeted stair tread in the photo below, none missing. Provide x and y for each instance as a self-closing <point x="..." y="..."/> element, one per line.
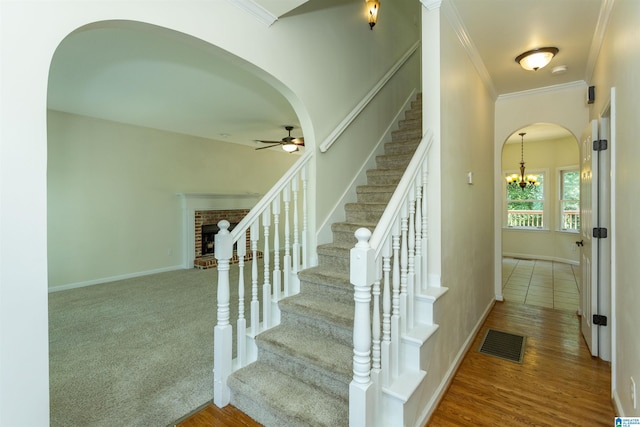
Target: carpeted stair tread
<point x="336" y="312"/>
<point x="275" y="399"/>
<point x="311" y="349"/>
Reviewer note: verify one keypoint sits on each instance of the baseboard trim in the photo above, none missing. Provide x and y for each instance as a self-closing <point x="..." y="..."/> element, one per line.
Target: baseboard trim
<point x="617" y="405"/>
<point x="451" y="372"/>
<point x="113" y="278"/>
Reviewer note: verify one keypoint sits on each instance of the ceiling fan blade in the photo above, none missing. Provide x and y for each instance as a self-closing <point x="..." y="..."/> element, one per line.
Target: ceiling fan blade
<point x="298" y="141"/>
<point x="262" y="148"/>
<point x="267" y="142"/>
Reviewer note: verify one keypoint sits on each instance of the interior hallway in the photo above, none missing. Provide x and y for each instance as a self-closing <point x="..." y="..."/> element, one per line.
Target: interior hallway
<point x="541" y="283"/>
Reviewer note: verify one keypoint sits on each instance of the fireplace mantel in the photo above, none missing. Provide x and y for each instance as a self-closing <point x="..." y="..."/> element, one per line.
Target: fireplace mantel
<point x="192" y="202"/>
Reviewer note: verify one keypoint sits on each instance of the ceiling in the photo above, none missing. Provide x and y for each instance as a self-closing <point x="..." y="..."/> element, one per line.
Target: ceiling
<point x="153" y="79"/>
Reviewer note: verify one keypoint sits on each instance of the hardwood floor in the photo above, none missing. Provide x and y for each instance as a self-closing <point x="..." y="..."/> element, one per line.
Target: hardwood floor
<point x="558" y="382"/>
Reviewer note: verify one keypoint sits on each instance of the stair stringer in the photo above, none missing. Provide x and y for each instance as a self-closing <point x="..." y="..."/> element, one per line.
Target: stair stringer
<point x="401" y="400"/>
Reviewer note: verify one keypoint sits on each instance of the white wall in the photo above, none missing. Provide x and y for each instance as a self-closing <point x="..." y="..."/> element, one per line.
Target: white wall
<point x="564" y="105"/>
<point x="618" y="66"/>
<point x="550" y="243"/>
<point x="465" y="144"/>
<point x="336" y="59"/>
<point x="113" y="205"/>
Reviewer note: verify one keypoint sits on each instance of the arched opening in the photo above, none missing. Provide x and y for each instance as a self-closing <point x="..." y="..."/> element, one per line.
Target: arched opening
<point x="138" y="114"/>
<point x="540" y="218"/>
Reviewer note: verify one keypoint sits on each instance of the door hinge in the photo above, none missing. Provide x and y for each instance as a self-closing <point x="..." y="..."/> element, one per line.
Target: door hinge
<point x="600" y="233"/>
<point x="600" y="145"/>
<point x="600" y="320"/>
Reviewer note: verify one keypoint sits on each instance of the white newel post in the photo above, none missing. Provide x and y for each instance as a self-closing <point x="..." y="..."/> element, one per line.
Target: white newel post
<point x="363" y="274"/>
<point x="222" y="334"/>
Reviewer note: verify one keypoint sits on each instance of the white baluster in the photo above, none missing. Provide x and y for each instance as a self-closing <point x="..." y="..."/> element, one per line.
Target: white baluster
<point x="277" y="277"/>
<point x="425" y="230"/>
<point x="404" y="266"/>
<point x="296" y="232"/>
<point x="361" y="392"/>
<point x="286" y="198"/>
<point x="305" y="212"/>
<point x="254" y="234"/>
<point x="386" y="313"/>
<point x="395" y="302"/>
<point x="375" y="321"/>
<point x="418" y="221"/>
<point x="411" y="276"/>
<point x="222" y="332"/>
<point x="242" y="322"/>
<point x="266" y="286"/>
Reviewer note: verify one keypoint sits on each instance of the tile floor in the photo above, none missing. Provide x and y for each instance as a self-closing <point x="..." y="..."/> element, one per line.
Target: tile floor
<point x="542" y="283"/>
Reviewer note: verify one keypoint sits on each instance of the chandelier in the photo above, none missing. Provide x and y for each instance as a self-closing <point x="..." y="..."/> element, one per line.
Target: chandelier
<point x="523" y="181"/>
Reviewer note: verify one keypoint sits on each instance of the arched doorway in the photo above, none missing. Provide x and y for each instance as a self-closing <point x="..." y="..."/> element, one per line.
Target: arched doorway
<point x="138" y="114"/>
<point x="540" y="220"/>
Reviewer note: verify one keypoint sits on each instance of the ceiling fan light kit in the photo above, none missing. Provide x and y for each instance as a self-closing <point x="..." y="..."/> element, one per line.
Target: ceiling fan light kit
<point x="534" y="59"/>
<point x="289" y="143"/>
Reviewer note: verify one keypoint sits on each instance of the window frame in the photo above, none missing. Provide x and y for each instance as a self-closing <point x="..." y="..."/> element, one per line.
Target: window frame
<point x="545" y="199"/>
<point x="560" y="189"/>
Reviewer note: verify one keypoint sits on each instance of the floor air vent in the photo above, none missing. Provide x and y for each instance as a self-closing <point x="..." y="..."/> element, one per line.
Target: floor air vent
<point x="503" y="345"/>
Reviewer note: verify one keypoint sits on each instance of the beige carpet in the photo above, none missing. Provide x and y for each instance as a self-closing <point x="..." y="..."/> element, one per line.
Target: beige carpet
<point x="137" y="352"/>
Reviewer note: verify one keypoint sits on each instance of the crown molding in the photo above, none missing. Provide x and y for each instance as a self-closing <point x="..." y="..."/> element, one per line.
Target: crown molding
<point x="459" y="28"/>
<point x="546" y="89"/>
<point x="431" y="4"/>
<point x="259" y="12"/>
<point x="598" y="37"/>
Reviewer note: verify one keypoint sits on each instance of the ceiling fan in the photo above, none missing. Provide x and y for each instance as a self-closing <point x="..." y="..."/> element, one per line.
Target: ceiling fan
<point x="289" y="143"/>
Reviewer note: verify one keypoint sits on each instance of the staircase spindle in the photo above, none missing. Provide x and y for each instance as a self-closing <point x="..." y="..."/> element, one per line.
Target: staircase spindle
<point x="424" y="238"/>
<point x="412" y="251"/>
<point x="277" y="276"/>
<point x="242" y="322"/>
<point x="266" y="285"/>
<point x="419" y="278"/>
<point x="386" y="313"/>
<point x="404" y="266"/>
<point x="296" y="231"/>
<point x="395" y="308"/>
<point x="286" y="260"/>
<point x="305" y="214"/>
<point x="254" y="234"/>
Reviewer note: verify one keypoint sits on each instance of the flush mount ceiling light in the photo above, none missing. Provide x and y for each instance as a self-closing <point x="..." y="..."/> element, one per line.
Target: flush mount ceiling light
<point x="535" y="59"/>
<point x="372" y="10"/>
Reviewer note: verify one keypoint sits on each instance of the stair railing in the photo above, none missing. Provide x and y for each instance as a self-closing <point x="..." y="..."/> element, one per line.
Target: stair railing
<point x="289" y="197"/>
<point x="390" y="262"/>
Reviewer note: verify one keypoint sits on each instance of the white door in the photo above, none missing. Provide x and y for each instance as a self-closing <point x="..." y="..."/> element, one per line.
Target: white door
<point x="589" y="220"/>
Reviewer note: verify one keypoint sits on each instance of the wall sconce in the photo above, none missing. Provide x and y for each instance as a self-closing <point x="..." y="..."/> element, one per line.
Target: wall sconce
<point x="534" y="59"/>
<point x="372" y="11"/>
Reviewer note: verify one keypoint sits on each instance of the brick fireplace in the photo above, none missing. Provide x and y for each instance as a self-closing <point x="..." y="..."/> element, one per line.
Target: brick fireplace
<point x="205" y="228"/>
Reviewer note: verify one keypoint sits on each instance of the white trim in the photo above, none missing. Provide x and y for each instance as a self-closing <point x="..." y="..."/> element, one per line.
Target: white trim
<point x="546" y="89"/>
<point x="113" y="278"/>
<point x="259" y="12"/>
<point x="459" y="28"/>
<point x="342" y="126"/>
<point x="431" y="4"/>
<point x="324" y="234"/>
<point x="453" y="368"/>
<point x="598" y="37"/>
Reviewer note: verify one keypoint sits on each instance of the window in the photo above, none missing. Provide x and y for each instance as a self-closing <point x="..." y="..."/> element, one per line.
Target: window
<point x="525" y="208"/>
<point x="570" y="199"/>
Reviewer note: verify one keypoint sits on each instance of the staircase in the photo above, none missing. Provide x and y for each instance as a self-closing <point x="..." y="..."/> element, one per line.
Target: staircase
<point x="304" y="366"/>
